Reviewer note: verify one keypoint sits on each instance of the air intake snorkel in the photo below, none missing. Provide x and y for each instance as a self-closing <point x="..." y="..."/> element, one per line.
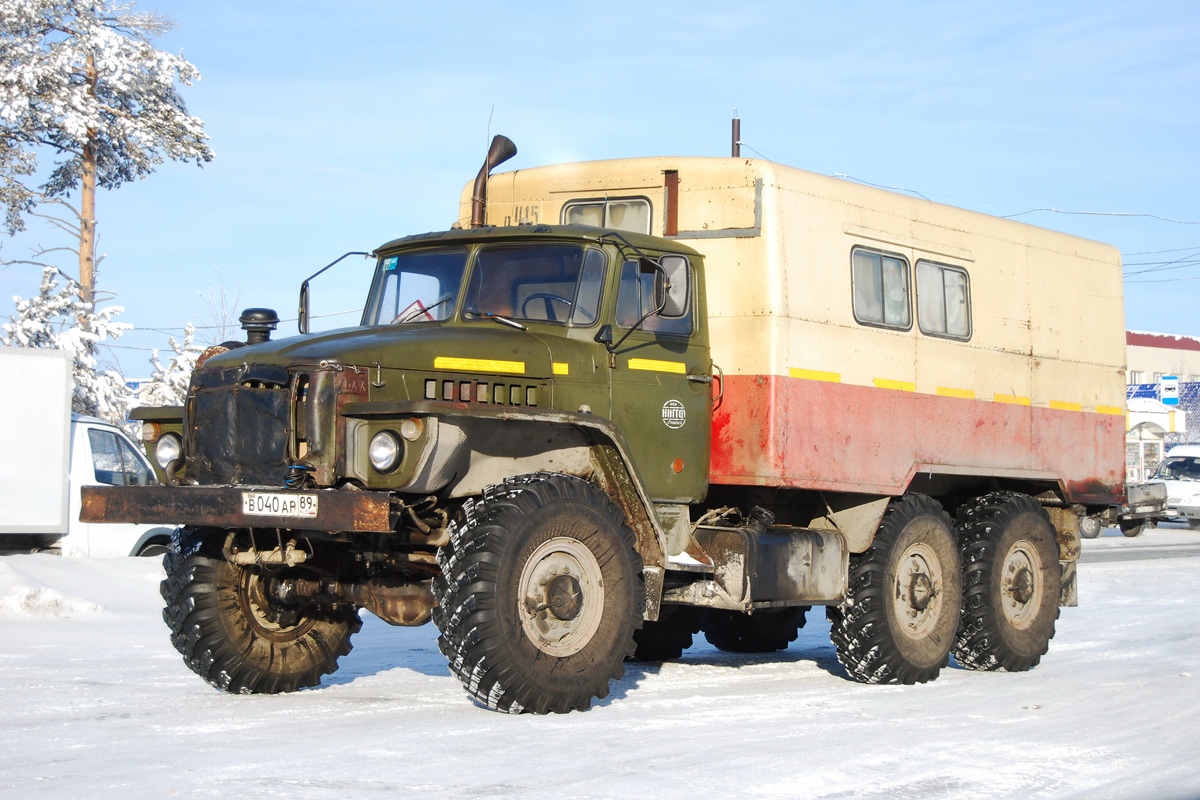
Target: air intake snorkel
<point x="502" y="150"/>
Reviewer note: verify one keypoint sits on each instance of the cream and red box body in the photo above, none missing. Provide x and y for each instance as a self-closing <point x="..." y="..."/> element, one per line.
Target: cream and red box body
<point x="813" y="397"/>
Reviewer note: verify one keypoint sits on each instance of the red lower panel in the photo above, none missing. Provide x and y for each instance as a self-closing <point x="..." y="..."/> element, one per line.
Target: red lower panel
<point x="814" y="434"/>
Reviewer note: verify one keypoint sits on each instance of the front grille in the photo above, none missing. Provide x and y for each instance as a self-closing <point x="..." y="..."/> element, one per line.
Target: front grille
<point x="476" y="391"/>
<point x="239" y="431"/>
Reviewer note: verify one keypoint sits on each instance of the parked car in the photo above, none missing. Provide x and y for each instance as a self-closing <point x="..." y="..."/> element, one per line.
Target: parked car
<point x="1180" y="471"/>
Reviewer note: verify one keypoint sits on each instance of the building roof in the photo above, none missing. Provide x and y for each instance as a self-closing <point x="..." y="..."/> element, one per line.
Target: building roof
<point x="1167" y="341"/>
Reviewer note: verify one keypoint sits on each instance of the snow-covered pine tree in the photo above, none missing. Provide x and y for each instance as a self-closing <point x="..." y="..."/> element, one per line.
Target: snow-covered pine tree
<point x="80" y="82"/>
<point x="58" y="318"/>
<point x="168" y="384"/>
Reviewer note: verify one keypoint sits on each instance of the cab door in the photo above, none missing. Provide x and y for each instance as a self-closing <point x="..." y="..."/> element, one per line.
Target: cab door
<point x="661" y="386"/>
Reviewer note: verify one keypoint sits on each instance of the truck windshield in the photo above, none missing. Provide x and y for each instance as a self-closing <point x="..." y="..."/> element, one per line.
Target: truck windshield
<point x="420" y="286"/>
<point x="538" y="283"/>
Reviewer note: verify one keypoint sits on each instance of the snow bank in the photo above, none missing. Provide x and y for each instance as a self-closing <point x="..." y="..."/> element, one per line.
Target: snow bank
<point x="20" y="598"/>
<point x="25" y="601"/>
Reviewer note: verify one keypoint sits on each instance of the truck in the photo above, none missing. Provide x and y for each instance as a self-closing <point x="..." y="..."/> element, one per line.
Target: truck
<point x="53" y="453"/>
<point x="619" y="403"/>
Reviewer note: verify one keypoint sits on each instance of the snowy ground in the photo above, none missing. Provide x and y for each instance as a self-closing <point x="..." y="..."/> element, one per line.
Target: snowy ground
<point x="94" y="702"/>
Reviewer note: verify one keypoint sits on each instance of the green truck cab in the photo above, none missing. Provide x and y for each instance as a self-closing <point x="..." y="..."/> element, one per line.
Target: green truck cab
<point x="555" y="377"/>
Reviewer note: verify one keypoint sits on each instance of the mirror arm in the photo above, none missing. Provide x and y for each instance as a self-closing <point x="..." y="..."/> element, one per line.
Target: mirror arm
<point x="302" y="316"/>
<point x="612" y="348"/>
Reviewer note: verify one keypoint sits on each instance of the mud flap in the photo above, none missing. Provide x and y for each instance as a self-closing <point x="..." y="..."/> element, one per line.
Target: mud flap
<point x="1070" y="585"/>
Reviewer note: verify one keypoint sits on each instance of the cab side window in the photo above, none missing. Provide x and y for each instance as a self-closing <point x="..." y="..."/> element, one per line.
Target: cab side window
<point x="635" y="296"/>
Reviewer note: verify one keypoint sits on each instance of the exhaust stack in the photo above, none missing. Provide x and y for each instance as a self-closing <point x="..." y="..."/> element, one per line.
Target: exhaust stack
<point x="502" y="150"/>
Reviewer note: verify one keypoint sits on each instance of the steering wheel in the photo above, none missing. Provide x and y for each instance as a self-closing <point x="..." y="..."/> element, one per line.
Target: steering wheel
<point x="547" y="298"/>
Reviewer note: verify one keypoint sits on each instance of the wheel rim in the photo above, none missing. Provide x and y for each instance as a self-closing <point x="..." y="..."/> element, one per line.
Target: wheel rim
<point x="1021" y="585"/>
<point x="263" y="617"/>
<point x="918" y="591"/>
<point x="560" y="597"/>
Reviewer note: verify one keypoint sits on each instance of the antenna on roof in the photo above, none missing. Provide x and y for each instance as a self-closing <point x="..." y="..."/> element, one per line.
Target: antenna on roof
<point x="737" y="135"/>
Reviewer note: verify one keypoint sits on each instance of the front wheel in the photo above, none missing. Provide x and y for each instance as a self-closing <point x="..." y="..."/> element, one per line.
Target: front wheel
<point x="540" y="594"/>
<point x="903" y="599"/>
<point x="1011" y="583"/>
<point x="233" y="635"/>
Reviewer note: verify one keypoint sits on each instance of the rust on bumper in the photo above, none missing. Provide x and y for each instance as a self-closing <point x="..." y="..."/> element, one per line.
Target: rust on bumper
<point x="221" y="507"/>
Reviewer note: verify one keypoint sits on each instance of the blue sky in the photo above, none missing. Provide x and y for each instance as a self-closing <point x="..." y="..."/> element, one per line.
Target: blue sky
<point x="341" y="127"/>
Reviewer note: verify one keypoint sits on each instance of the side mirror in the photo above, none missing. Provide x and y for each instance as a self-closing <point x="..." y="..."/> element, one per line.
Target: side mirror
<point x="672" y="287"/>
<point x="302" y="313"/>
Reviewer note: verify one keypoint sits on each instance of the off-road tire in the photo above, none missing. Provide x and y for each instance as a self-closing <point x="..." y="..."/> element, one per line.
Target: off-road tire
<point x="880" y="633"/>
<point x="666" y="638"/>
<point x="760" y="632"/>
<point x="215" y="611"/>
<point x="1133" y="528"/>
<point x="1011" y="583"/>
<point x="516" y="643"/>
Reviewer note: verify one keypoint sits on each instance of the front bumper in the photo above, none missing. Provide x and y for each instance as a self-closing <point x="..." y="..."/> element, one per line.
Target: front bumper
<point x="222" y="507"/>
<point x="1181" y="513"/>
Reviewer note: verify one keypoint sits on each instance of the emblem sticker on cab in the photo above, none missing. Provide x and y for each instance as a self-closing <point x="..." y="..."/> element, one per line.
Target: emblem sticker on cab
<point x="674" y="414"/>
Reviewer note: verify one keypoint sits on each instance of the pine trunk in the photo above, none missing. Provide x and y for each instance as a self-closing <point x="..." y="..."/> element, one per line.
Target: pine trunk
<point x="87" y="222"/>
<point x="87" y="226"/>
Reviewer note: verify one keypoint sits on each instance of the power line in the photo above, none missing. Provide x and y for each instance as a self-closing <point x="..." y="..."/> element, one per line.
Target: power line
<point x="1156" y="252"/>
<point x="173" y="331"/>
<point x="879" y="185"/>
<point x="1102" y="214"/>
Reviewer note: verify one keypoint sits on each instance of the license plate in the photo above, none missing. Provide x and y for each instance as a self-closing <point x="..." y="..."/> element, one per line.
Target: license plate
<point x="279" y="504"/>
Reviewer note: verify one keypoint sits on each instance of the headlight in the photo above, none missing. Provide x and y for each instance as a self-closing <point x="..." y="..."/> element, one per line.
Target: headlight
<point x="169" y="448"/>
<point x="385" y="451"/>
<point x="411" y="429"/>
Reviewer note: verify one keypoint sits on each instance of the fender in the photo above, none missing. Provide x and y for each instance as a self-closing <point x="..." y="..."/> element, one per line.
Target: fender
<point x="475" y="447"/>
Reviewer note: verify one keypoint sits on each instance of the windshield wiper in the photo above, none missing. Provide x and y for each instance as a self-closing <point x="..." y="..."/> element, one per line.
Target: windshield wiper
<point x="512" y="323"/>
<point x="416" y="312"/>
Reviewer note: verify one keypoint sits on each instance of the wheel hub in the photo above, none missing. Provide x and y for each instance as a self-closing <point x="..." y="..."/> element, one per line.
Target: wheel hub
<point x="1020" y="585"/>
<point x="266" y="617"/>
<point x="561" y="596"/>
<point x="564" y="596"/>
<point x="918" y="591"/>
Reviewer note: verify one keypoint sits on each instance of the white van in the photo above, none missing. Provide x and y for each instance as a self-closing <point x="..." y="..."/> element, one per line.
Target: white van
<point x="1180" y="471"/>
<point x="52" y="453"/>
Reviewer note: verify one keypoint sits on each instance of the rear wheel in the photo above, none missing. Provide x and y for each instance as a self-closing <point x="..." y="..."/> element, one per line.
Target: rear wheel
<point x="540" y="594"/>
<point x="1090" y="527"/>
<point x="1132" y="528"/>
<point x="903" y="601"/>
<point x="1011" y="583"/>
<point x="760" y="632"/>
<point x="666" y="638"/>
<point x="233" y="635"/>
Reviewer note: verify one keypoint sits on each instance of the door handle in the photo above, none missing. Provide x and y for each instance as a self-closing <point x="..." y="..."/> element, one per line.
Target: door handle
<point x="700" y="378"/>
